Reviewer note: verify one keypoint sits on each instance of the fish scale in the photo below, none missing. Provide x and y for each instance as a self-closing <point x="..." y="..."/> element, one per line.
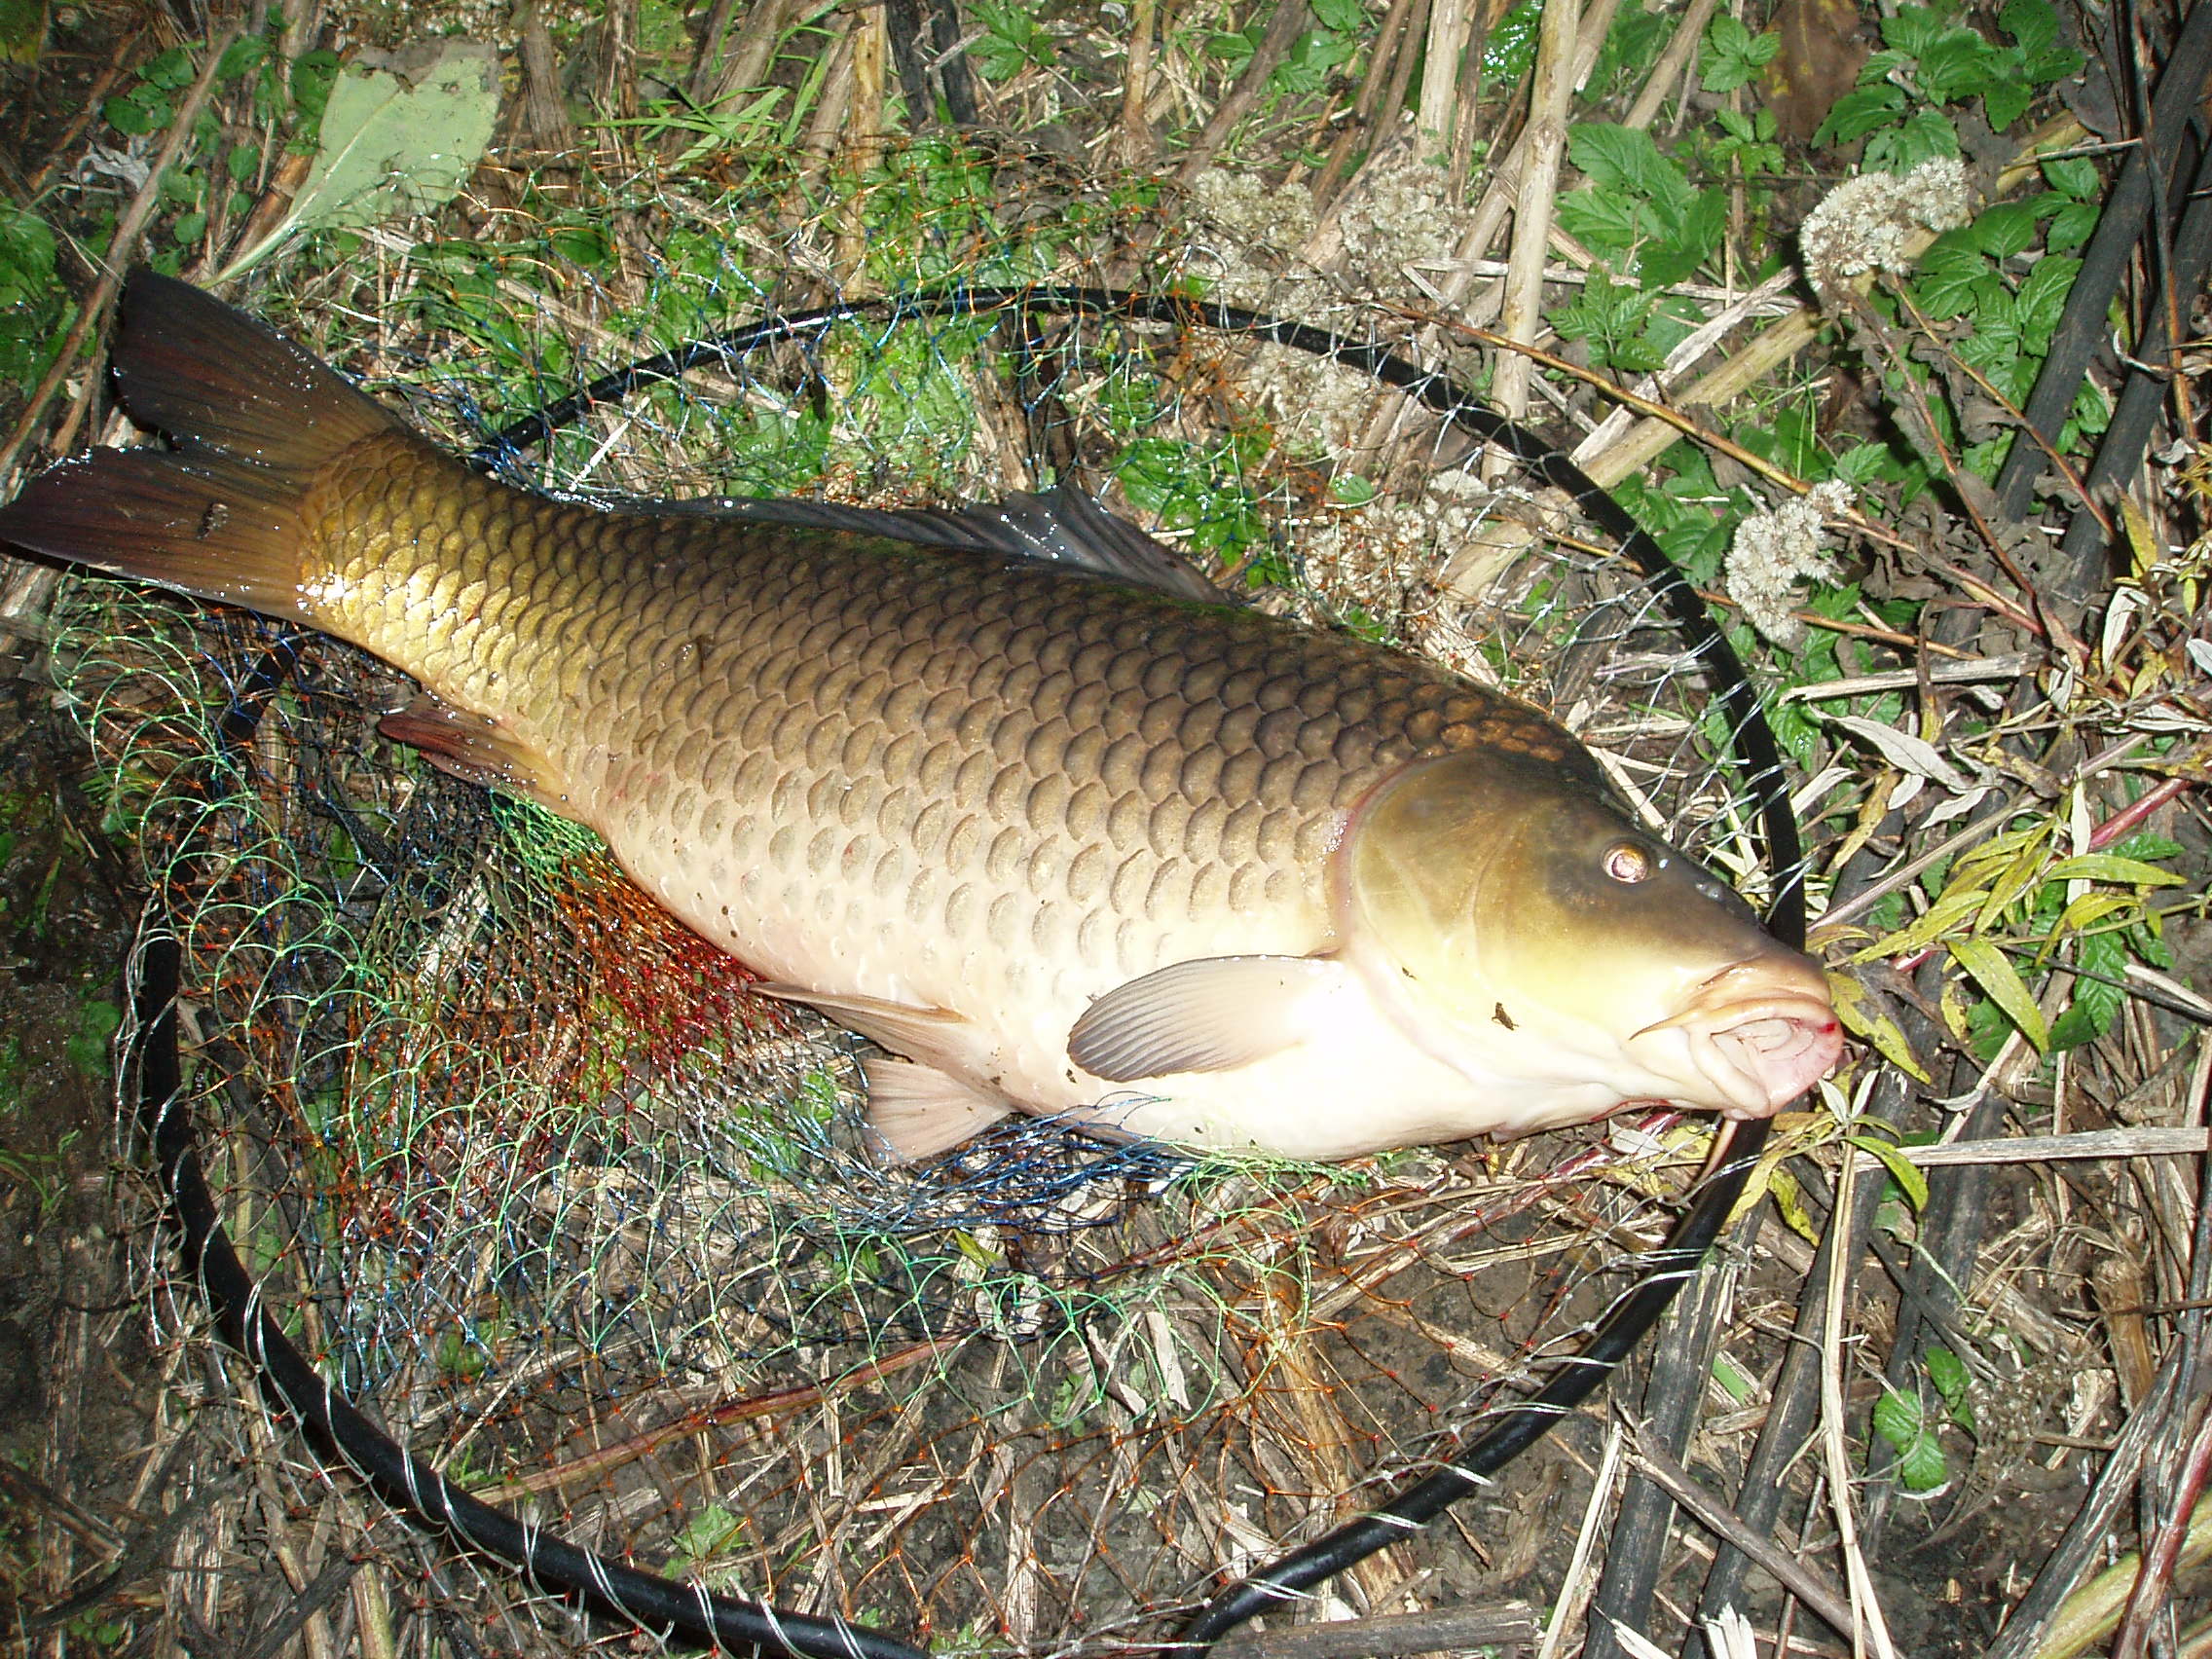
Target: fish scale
<point x="1058" y="842"/>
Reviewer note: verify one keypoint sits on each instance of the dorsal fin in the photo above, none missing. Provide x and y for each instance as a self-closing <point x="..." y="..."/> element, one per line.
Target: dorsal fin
<point x="1064" y="527"/>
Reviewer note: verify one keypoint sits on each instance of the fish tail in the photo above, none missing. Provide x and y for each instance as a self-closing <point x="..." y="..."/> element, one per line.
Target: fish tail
<point x="253" y="419"/>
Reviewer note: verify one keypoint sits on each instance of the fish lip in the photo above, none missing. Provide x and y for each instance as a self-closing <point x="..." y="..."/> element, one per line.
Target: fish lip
<point x="1759" y="1033"/>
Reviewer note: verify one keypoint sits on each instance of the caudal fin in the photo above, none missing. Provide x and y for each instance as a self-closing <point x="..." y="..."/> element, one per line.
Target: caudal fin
<point x="253" y="419"/>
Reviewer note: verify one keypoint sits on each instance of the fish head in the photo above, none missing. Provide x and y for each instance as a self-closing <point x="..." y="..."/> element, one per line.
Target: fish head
<point x="1523" y="928"/>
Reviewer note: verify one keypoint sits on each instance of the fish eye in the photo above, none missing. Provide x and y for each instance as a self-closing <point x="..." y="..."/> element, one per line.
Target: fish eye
<point x="1627" y="862"/>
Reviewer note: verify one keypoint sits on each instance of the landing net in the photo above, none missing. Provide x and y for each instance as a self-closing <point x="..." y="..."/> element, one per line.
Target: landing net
<point x="527" y="1169"/>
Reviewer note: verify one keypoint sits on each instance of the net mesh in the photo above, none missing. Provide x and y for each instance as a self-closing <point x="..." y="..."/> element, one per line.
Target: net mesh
<point x="529" y="1171"/>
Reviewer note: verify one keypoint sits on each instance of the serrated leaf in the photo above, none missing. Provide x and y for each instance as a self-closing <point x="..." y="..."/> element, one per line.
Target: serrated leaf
<point x="2075" y="176"/>
<point x="1953" y="280"/>
<point x="2072" y="226"/>
<point x="1955" y="65"/>
<point x="1900" y="1421"/>
<point x="1910" y="1180"/>
<point x="2006" y="229"/>
<point x="1676" y="258"/>
<point x="2098" y="992"/>
<point x="1948" y="1372"/>
<point x="1924" y="136"/>
<point x="1913" y="30"/>
<point x="1606" y="220"/>
<point x="1858" y="113"/>
<point x="2043" y="296"/>
<point x="1995" y="973"/>
<point x="2005" y="101"/>
<point x="391" y="146"/>
<point x="1627" y="158"/>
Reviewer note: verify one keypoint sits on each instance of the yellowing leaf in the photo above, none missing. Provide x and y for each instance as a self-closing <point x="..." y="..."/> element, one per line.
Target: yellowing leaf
<point x="1995" y="973"/>
<point x="2025" y="870"/>
<point x="1955" y="1009"/>
<point x="2142" y="541"/>
<point x="1939" y="918"/>
<point x="2104" y="867"/>
<point x="1790" y="1205"/>
<point x="1863" y="1017"/>
<point x="1999" y="847"/>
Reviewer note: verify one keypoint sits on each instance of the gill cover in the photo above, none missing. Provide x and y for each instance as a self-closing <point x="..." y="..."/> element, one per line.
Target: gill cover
<point x="1523" y="927"/>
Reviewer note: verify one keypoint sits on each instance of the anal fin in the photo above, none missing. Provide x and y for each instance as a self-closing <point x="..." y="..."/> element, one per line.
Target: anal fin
<point x="921" y="1103"/>
<point x="916" y="1112"/>
<point x="476" y="750"/>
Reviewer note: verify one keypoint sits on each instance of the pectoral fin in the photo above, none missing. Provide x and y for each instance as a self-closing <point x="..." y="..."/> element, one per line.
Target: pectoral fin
<point x="1213" y="1014"/>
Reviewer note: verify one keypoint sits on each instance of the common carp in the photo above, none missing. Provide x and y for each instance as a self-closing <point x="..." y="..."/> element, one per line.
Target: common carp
<point x="1058" y="842"/>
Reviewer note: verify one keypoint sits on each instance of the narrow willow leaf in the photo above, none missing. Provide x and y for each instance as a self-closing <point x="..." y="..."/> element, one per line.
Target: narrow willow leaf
<point x="1995" y="974"/>
<point x="1938" y="919"/>
<point x="1865" y="1017"/>
<point x="1790" y="1203"/>
<point x="2104" y="866"/>
<point x="1911" y="1182"/>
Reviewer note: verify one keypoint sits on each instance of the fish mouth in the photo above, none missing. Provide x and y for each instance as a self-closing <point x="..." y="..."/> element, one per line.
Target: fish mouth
<point x="1756" y="1036"/>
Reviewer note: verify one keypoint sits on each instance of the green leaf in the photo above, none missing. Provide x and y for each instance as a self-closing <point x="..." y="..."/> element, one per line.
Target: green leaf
<point x="1910" y="1180"/>
<point x="1675" y="258"/>
<point x="23" y="30"/>
<point x="2110" y="866"/>
<point x="136" y="113"/>
<point x="1994" y="972"/>
<point x="2096" y="1001"/>
<point x="242" y="56"/>
<point x="389" y="146"/>
<point x="2075" y="176"/>
<point x="1346" y="16"/>
<point x="1922" y="136"/>
<point x="2043" y="298"/>
<point x="2004" y="102"/>
<point x="1511" y="47"/>
<point x="313" y="74"/>
<point x="1626" y="157"/>
<point x="1734" y="55"/>
<point x="2072" y="226"/>
<point x="1858" y="113"/>
<point x="1949" y="1374"/>
<point x="1606" y="220"/>
<point x="2004" y="231"/>
<point x="1900" y="1419"/>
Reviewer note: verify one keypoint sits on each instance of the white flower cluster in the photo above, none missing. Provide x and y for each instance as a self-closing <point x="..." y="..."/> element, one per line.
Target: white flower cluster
<point x="1378" y="555"/>
<point x="1260" y="225"/>
<point x="1772" y="552"/>
<point x="1398" y="220"/>
<point x="1866" y="223"/>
